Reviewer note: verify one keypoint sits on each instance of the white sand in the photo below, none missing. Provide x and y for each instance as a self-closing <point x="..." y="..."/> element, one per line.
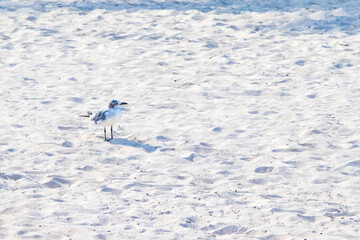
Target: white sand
<point x="242" y="123"/>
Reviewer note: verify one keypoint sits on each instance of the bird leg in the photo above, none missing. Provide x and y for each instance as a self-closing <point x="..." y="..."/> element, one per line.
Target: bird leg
<point x="105" y="133"/>
<point x="111" y="133"/>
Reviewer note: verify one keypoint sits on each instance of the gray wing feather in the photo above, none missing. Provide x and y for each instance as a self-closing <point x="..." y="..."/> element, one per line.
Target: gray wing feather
<point x="99" y="116"/>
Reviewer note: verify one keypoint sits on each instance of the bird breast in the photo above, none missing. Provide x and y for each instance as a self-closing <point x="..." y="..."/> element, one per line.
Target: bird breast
<point x="112" y="117"/>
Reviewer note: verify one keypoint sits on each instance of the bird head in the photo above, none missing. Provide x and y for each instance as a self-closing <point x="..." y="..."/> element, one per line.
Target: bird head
<point x="115" y="103"/>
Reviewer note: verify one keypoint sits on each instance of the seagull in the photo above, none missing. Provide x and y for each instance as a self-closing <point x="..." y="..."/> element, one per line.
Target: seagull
<point x="108" y="117"/>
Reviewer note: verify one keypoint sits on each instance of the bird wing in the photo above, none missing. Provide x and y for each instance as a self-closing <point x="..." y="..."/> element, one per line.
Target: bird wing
<point x="100" y="116"/>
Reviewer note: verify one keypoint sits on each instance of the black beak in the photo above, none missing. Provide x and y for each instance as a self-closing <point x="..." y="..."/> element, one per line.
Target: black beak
<point x="123" y="103"/>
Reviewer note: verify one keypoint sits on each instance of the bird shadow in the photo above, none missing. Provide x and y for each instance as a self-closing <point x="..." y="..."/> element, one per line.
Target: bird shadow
<point x="125" y="142"/>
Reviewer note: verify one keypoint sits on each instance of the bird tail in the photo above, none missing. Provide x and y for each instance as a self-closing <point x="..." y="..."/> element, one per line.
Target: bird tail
<point x="86" y="115"/>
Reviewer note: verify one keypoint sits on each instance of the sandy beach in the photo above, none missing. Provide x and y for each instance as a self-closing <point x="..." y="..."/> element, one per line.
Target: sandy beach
<point x="242" y="119"/>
